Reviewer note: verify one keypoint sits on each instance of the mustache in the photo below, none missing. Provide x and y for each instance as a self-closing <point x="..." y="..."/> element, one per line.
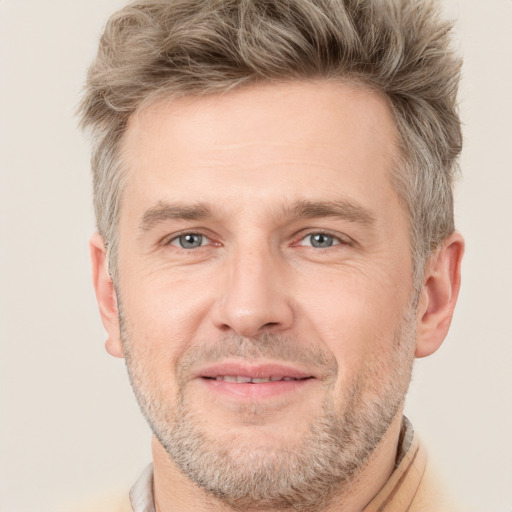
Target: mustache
<point x="266" y="346"/>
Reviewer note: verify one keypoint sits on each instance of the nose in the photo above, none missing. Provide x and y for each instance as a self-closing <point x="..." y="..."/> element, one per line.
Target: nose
<point x="254" y="297"/>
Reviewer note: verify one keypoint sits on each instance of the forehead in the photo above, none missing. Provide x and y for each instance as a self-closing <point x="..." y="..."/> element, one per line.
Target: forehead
<point x="291" y="141"/>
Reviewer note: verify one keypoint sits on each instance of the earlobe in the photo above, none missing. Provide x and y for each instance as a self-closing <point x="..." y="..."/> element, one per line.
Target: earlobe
<point x="105" y="295"/>
<point x="439" y="294"/>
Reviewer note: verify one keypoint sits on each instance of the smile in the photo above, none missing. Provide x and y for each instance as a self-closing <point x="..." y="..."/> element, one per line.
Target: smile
<point x="249" y="381"/>
<point x="239" y="379"/>
<point x="244" y="372"/>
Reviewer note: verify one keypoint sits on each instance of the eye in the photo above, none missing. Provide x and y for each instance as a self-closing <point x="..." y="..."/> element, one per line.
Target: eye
<point x="189" y="241"/>
<point x="320" y="240"/>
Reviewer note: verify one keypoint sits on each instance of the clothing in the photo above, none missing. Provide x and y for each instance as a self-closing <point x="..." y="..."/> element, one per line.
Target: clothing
<point x="410" y="488"/>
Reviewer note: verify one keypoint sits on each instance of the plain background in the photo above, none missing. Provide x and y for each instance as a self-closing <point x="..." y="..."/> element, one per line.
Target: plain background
<point x="69" y="426"/>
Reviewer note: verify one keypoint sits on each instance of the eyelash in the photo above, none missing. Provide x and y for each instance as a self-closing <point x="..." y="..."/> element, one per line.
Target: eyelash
<point x="334" y="240"/>
<point x="338" y="239"/>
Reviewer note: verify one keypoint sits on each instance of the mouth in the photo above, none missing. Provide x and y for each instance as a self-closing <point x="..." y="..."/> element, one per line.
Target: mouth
<point x="241" y="381"/>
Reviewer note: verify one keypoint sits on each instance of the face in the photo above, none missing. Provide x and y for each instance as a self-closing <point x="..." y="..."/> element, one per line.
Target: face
<point x="265" y="286"/>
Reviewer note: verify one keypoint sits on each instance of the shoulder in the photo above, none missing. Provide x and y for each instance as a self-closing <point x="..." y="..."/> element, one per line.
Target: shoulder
<point x="432" y="495"/>
<point x="116" y="502"/>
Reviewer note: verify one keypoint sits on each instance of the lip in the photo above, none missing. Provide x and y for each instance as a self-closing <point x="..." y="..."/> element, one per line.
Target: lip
<point x="252" y="370"/>
<point x="295" y="379"/>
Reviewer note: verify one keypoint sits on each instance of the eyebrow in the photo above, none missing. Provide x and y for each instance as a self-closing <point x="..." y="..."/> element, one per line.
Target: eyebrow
<point x="344" y="209"/>
<point x="164" y="211"/>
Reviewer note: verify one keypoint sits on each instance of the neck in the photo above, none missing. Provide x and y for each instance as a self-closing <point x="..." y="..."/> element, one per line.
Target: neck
<point x="175" y="492"/>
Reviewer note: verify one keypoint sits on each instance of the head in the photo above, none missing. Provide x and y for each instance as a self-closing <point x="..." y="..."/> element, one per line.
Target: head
<point x="272" y="186"/>
<point x="401" y="49"/>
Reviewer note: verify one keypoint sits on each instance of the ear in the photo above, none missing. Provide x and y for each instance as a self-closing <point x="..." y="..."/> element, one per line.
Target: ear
<point x="105" y="295"/>
<point x="439" y="294"/>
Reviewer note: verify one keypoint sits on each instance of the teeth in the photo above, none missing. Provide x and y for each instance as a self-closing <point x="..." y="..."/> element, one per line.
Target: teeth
<point x="239" y="379"/>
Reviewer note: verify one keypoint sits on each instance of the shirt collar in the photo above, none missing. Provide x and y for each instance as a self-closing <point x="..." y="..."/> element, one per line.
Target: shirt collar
<point x="398" y="492"/>
<point x="141" y="494"/>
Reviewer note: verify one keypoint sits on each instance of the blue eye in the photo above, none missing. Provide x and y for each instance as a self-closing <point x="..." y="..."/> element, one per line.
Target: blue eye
<point x="320" y="240"/>
<point x="189" y="241"/>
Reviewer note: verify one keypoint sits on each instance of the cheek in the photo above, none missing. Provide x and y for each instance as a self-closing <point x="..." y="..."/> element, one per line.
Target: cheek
<point x="161" y="319"/>
<point x="355" y="315"/>
<point x="165" y="306"/>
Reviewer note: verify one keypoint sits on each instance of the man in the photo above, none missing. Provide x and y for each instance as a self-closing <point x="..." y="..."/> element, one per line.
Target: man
<point x="272" y="185"/>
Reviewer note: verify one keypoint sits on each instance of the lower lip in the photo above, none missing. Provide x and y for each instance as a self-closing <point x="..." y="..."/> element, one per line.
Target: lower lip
<point x="250" y="391"/>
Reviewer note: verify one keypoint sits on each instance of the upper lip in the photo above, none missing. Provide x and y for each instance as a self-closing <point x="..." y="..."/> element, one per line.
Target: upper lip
<point x="252" y="370"/>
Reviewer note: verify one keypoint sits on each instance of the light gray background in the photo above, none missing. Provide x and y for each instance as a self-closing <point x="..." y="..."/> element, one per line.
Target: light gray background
<point x="69" y="427"/>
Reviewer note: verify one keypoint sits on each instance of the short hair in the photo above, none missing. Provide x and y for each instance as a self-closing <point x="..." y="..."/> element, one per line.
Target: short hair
<point x="155" y="49"/>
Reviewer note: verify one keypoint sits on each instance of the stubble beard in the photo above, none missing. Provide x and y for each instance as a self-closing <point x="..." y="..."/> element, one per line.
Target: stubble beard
<point x="305" y="476"/>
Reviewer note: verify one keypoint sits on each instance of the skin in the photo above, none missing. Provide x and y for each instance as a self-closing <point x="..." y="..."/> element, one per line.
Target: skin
<point x="253" y="171"/>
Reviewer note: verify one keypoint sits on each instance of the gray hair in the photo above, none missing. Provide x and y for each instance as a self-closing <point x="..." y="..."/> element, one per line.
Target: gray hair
<point x="154" y="49"/>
